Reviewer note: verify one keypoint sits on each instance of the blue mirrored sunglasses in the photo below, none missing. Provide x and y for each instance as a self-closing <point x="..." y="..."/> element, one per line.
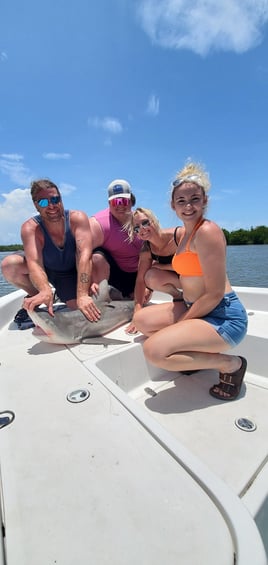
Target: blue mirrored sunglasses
<point x="44" y="202"/>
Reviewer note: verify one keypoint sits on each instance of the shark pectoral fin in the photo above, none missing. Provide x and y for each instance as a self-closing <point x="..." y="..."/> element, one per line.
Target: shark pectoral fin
<point x="103" y="341"/>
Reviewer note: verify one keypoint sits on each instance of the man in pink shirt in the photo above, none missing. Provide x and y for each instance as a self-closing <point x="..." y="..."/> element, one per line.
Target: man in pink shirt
<point x="115" y="258"/>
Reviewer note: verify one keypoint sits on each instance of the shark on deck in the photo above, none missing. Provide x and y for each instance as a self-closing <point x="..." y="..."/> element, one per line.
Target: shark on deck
<point x="71" y="326"/>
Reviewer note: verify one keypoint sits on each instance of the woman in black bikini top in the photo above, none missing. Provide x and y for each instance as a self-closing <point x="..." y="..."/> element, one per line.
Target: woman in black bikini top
<point x="154" y="271"/>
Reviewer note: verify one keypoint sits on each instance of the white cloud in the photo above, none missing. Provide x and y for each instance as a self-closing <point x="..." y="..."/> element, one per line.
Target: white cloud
<point x="203" y="26"/>
<point x="3" y="56"/>
<point x="12" y="165"/>
<point x="66" y="188"/>
<point x="56" y="156"/>
<point x="16" y="208"/>
<point x="153" y="106"/>
<point x="12" y="156"/>
<point x="112" y="125"/>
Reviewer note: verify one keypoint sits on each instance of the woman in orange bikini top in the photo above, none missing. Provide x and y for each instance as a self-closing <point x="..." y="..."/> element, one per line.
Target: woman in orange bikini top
<point x="196" y="330"/>
<point x="187" y="262"/>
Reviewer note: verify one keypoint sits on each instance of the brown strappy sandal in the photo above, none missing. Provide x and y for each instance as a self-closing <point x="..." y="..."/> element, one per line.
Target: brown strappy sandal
<point x="230" y="383"/>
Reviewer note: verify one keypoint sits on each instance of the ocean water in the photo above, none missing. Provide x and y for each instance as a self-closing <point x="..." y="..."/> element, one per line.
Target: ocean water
<point x="247" y="265"/>
<point x="5" y="287"/>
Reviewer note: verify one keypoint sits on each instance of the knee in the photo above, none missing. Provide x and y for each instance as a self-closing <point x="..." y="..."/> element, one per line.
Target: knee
<point x="100" y="265"/>
<point x="8" y="264"/>
<point x="150" y="352"/>
<point x="11" y="266"/>
<point x="149" y="278"/>
<point x="5" y="262"/>
<point x="142" y="321"/>
<point x="139" y="320"/>
<point x="97" y="259"/>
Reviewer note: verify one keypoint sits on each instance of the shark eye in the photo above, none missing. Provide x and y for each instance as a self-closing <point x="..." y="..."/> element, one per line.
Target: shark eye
<point x="110" y="306"/>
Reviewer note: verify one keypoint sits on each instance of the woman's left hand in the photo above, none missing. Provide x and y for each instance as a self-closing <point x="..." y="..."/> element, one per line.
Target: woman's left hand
<point x="131" y="329"/>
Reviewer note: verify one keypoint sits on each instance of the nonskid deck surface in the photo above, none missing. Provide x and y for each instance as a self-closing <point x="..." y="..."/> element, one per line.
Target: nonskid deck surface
<point x="181" y="404"/>
<point x="85" y="482"/>
<point x="35" y="379"/>
<point x="208" y="428"/>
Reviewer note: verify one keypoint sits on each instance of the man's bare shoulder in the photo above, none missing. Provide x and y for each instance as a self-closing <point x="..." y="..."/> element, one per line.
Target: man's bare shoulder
<point x="96" y="231"/>
<point x="78" y="216"/>
<point x="77" y="213"/>
<point x="29" y="226"/>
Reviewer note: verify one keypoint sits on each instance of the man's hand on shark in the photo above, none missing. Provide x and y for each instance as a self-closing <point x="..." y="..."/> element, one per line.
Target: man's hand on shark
<point x="31" y="302"/>
<point x="88" y="307"/>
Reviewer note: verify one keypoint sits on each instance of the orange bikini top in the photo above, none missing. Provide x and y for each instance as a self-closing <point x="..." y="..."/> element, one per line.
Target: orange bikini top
<point x="187" y="262"/>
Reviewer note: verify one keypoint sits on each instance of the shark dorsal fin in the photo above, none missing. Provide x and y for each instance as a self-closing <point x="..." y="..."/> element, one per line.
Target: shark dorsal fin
<point x="104" y="295"/>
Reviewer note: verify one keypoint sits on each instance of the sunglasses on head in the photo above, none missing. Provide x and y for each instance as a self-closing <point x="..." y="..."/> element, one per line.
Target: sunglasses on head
<point x="120" y="201"/>
<point x="44" y="202"/>
<point x="187" y="178"/>
<point x="143" y="224"/>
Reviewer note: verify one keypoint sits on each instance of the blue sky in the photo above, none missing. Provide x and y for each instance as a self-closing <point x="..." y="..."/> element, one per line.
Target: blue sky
<point x="93" y="91"/>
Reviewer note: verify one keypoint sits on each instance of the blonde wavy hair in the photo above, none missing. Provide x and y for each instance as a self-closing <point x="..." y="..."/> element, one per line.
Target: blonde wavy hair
<point x="192" y="172"/>
<point x="129" y="226"/>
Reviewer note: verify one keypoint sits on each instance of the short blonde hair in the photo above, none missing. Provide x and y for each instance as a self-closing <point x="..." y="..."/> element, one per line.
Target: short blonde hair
<point x="192" y="172"/>
<point x="129" y="226"/>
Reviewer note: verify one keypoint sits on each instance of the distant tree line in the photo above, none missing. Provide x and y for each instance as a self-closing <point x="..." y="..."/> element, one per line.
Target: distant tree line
<point x="14" y="247"/>
<point x="254" y="236"/>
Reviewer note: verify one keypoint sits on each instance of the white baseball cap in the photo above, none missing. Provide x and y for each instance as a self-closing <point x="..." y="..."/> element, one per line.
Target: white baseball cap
<point x="119" y="188"/>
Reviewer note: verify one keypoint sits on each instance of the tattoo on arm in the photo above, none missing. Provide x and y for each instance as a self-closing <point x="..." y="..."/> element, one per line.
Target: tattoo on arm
<point x="84" y="278"/>
<point x="78" y="246"/>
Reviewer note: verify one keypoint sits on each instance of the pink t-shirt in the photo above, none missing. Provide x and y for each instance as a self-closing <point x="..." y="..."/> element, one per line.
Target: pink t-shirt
<point x="124" y="252"/>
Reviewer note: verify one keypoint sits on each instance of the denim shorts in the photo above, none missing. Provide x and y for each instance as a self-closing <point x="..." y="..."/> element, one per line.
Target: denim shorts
<point x="229" y="319"/>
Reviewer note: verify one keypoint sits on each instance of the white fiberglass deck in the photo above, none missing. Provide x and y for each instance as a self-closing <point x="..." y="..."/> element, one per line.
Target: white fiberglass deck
<point x="149" y="470"/>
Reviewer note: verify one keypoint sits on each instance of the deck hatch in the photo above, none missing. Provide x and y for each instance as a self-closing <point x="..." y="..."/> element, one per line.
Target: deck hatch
<point x="79" y="395"/>
<point x="6" y="418"/>
<point x="245" y="424"/>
